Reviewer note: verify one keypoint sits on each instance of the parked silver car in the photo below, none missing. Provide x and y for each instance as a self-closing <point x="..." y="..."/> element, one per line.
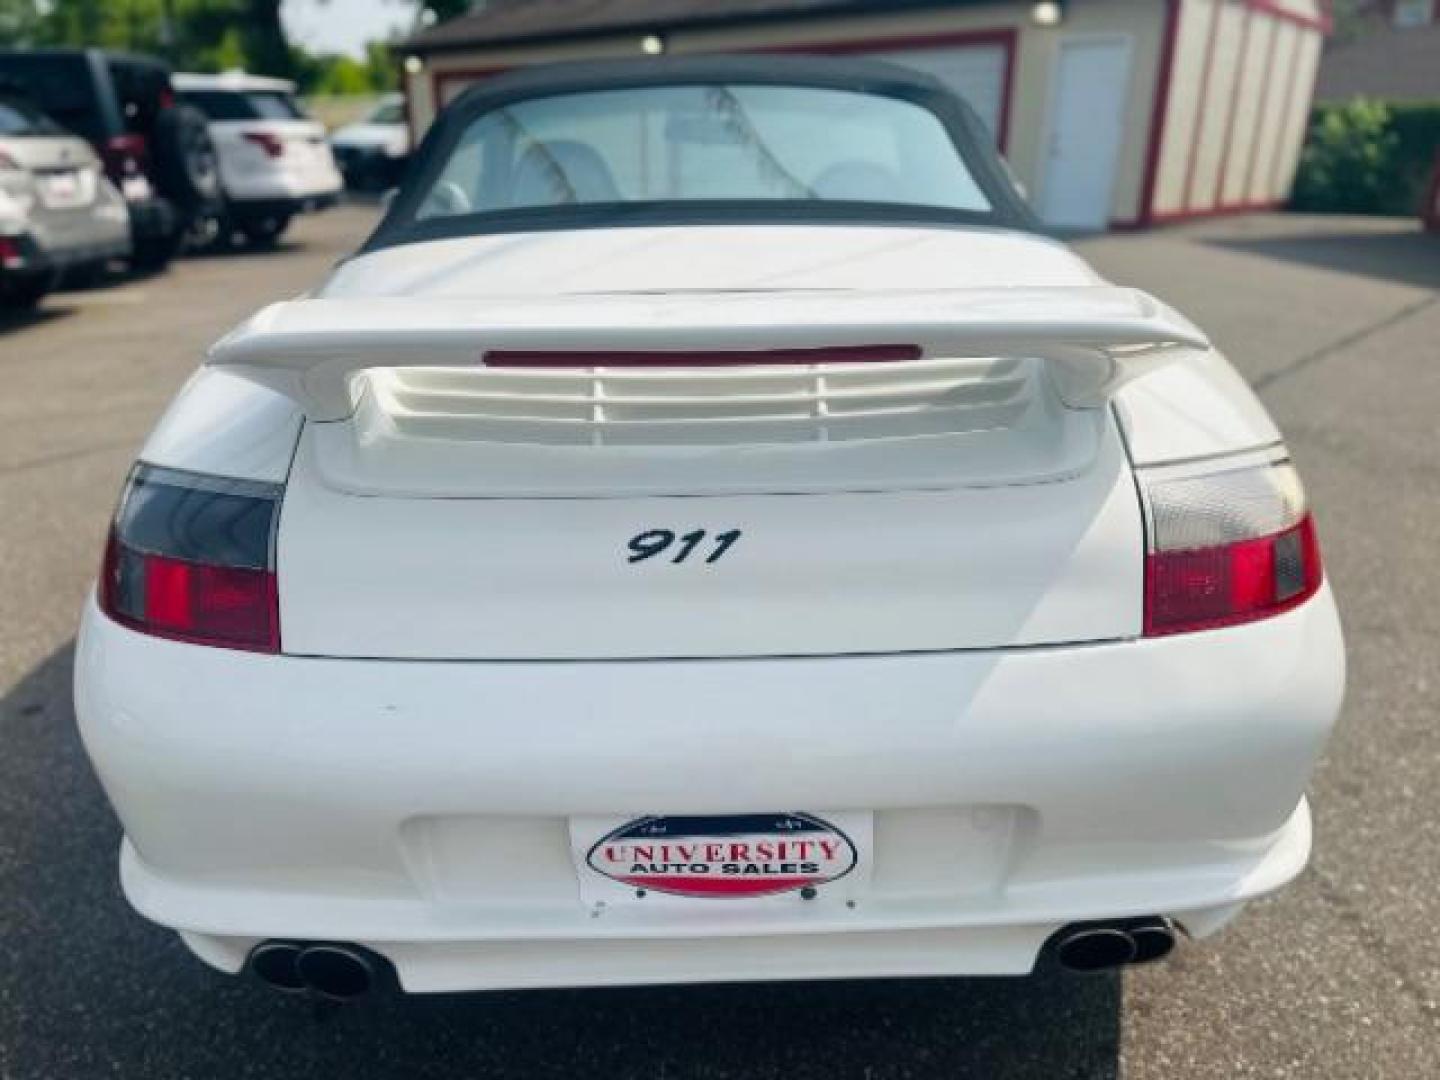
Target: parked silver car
<point x="58" y="213"/>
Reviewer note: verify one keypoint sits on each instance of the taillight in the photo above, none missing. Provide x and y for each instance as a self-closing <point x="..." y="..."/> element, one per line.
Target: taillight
<point x="268" y="141"/>
<point x="8" y="163"/>
<point x="11" y="257"/>
<point x="124" y="155"/>
<point x="191" y="557"/>
<point x="1226" y="546"/>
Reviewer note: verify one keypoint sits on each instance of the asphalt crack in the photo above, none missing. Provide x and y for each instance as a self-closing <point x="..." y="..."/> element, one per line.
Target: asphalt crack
<point x="1300" y="363"/>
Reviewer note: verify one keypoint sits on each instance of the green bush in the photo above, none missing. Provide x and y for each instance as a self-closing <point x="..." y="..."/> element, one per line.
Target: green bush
<point x="1367" y="157"/>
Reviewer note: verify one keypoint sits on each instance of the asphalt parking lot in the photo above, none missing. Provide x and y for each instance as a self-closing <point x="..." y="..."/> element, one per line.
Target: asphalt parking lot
<point x="1337" y="321"/>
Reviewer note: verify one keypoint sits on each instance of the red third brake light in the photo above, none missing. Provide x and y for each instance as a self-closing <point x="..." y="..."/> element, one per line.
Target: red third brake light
<point x="268" y="141"/>
<point x="1226" y="548"/>
<point x="189" y="558"/>
<point x="588" y="358"/>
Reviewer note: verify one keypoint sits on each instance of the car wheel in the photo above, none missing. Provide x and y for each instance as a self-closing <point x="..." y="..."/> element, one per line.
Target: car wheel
<point x="153" y="253"/>
<point x="24" y="294"/>
<point x="263" y="232"/>
<point x="187" y="167"/>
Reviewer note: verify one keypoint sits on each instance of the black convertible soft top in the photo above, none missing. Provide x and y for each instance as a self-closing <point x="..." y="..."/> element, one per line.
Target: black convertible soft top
<point x="973" y="141"/>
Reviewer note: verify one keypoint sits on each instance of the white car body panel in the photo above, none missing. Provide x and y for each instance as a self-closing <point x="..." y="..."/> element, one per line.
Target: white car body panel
<point x="226" y="426"/>
<point x="430" y="775"/>
<point x="305" y="170"/>
<point x="60" y="197"/>
<point x="883" y="571"/>
<point x="757" y="258"/>
<point x="938" y="630"/>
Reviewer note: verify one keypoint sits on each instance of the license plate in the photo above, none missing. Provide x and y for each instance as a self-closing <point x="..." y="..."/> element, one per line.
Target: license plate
<point x="60" y="189"/>
<point x="135" y="188"/>
<point x="735" y="857"/>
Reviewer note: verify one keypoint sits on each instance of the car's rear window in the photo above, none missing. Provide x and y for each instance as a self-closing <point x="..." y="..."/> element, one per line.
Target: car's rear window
<point x="245" y="104"/>
<point x="684" y="143"/>
<point x="63" y="87"/>
<point x="19" y="120"/>
<point x="142" y="89"/>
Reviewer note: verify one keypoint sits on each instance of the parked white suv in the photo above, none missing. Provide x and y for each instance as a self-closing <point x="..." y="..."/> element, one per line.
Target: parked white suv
<point x="275" y="161"/>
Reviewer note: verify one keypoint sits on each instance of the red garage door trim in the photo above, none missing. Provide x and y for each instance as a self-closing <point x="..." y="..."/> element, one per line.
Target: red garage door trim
<point x="441" y="80"/>
<point x="1324" y="22"/>
<point x="1007" y="38"/>
<point x="1148" y="214"/>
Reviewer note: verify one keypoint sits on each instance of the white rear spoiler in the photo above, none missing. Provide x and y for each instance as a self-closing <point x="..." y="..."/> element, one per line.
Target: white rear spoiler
<point x="1095" y="337"/>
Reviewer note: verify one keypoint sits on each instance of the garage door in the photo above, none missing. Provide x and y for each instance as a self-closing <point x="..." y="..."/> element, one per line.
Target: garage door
<point x="975" y="72"/>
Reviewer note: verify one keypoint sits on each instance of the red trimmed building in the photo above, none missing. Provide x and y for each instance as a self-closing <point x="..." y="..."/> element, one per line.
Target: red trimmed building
<point x="1118" y="113"/>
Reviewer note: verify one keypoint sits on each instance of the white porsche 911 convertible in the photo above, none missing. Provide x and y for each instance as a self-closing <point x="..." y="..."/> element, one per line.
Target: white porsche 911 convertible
<point x="707" y="533"/>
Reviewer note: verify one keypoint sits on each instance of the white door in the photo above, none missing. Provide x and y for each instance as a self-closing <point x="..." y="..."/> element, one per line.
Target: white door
<point x="975" y="72"/>
<point x="1087" y="106"/>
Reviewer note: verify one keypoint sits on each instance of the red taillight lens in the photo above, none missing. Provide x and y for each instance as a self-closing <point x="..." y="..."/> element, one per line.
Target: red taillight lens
<point x="680" y="358"/>
<point x="1207" y="588"/>
<point x="124" y="155"/>
<point x="189" y="558"/>
<point x="1227" y="546"/>
<point x="11" y="257"/>
<point x="272" y="144"/>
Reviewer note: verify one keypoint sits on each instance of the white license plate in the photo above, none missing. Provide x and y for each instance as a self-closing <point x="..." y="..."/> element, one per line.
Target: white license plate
<point x="135" y="188"/>
<point x="61" y="189"/>
<point x="731" y="857"/>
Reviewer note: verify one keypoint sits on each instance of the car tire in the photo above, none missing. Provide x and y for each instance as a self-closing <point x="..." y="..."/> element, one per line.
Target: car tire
<point x="24" y="295"/>
<point x="153" y="253"/>
<point x="264" y="232"/>
<point x="187" y="168"/>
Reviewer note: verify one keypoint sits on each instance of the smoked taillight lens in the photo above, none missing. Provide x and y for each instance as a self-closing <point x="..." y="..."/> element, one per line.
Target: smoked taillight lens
<point x="191" y="557"/>
<point x="1227" y="546"/>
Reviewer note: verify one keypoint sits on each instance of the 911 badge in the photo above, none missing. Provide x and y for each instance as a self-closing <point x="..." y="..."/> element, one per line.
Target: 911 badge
<point x="725" y="856"/>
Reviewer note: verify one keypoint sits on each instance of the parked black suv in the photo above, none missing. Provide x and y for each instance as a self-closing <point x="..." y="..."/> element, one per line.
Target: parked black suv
<point x="157" y="152"/>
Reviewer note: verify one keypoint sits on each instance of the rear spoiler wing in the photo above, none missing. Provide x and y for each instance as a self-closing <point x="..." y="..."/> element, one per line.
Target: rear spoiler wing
<point x="1096" y="338"/>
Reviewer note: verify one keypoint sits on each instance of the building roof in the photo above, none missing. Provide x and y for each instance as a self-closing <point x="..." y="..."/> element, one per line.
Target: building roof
<point x="495" y="22"/>
<point x="1382" y="61"/>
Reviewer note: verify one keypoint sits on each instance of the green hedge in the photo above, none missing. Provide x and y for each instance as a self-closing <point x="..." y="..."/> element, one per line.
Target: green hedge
<point x="1368" y="157"/>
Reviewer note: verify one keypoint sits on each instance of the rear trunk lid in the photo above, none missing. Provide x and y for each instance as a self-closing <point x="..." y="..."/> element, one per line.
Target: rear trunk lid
<point x="708" y="475"/>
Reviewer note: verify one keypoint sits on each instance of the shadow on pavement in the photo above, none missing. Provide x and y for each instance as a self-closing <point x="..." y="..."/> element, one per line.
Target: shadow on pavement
<point x="12" y="319"/>
<point x="89" y="989"/>
<point x="1409" y="258"/>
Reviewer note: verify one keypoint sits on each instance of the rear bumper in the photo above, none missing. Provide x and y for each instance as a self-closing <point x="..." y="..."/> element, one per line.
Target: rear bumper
<point x="422" y="808"/>
<point x="153" y="219"/>
<point x="286" y="206"/>
<point x="298" y="188"/>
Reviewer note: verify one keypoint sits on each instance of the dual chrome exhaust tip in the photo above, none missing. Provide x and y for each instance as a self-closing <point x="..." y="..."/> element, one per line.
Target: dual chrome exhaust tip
<point x="325" y="970"/>
<point x="1105" y="946"/>
<point x="338" y="972"/>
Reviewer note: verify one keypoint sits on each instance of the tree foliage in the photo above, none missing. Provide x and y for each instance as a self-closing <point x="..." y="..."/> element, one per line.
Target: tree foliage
<point x="203" y="35"/>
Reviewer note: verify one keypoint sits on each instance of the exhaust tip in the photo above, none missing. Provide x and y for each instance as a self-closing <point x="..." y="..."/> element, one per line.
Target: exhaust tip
<point x="1099" y="948"/>
<point x="1153" y="941"/>
<point x="277" y="965"/>
<point x="335" y="972"/>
